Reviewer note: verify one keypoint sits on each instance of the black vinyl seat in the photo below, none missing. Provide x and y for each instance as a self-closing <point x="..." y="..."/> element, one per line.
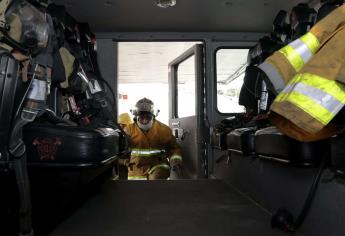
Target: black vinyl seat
<point x="241" y="140"/>
<point x="271" y="144"/>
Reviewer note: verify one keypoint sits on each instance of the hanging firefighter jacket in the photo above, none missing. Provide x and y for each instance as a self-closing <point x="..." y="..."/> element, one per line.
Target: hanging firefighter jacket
<point x="313" y="70"/>
<point x="316" y="93"/>
<point x="153" y="150"/>
<point x="282" y="66"/>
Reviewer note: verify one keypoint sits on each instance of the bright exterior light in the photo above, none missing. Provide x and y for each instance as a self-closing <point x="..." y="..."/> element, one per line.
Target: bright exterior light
<point x="165" y="3"/>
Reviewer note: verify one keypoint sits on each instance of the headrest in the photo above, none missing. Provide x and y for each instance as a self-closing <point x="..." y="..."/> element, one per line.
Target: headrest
<point x="263" y="49"/>
<point x="327" y="7"/>
<point x="281" y="30"/>
<point x="302" y="18"/>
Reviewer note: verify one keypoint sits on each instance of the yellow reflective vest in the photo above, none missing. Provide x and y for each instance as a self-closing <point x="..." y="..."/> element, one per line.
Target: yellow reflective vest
<point x="152" y="149"/>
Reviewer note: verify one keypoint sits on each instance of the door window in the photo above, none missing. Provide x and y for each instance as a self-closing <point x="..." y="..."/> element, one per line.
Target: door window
<point x="186" y="88"/>
<point x="231" y="65"/>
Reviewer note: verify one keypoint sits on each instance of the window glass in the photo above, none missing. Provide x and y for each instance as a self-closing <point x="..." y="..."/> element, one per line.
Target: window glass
<point x="186" y="88"/>
<point x="231" y="65"/>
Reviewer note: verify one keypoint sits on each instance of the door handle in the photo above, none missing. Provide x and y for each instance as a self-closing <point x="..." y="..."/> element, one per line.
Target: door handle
<point x="175" y="123"/>
<point x="180" y="133"/>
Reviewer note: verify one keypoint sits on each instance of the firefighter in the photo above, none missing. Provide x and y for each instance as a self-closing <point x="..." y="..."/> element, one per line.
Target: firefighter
<point x="124" y="120"/>
<point x="154" y="150"/>
<point x="309" y="76"/>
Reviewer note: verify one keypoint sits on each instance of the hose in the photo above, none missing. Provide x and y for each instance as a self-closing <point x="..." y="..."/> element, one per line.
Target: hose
<point x="283" y="219"/>
<point x="17" y="149"/>
<point x="309" y="200"/>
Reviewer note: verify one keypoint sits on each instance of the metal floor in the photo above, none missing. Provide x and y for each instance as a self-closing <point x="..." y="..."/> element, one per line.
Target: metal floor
<point x="181" y="207"/>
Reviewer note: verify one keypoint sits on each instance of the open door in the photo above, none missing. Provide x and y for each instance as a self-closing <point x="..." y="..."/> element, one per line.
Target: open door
<point x="186" y="109"/>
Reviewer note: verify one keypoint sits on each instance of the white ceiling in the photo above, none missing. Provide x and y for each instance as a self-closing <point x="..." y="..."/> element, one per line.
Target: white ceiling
<point x="147" y="61"/>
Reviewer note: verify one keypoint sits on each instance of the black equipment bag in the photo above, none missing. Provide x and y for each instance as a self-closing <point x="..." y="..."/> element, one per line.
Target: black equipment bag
<point x="8" y="91"/>
<point x="69" y="146"/>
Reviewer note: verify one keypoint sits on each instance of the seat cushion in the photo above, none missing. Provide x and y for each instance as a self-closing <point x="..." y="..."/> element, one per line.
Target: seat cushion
<point x="272" y="144"/>
<point x="241" y="140"/>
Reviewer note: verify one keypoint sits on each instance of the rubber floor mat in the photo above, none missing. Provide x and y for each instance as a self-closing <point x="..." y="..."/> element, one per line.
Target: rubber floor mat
<point x="180" y="207"/>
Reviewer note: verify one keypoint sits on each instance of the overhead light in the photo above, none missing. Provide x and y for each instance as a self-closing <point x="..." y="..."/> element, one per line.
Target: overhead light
<point x="108" y="3"/>
<point x="165" y="3"/>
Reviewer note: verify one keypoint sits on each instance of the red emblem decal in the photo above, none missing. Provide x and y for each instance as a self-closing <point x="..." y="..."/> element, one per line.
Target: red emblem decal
<point x="47" y="147"/>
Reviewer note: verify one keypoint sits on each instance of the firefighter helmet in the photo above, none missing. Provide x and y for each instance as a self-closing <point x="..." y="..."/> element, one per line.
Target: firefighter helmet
<point x="143" y="106"/>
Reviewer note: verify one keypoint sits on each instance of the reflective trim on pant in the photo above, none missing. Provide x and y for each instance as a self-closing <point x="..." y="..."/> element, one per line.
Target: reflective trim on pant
<point x="137" y="177"/>
<point x="175" y="157"/>
<point x="163" y="166"/>
<point x="146" y="152"/>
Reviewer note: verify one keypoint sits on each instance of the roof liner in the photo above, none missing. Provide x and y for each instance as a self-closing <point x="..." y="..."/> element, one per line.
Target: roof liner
<point x="185" y="16"/>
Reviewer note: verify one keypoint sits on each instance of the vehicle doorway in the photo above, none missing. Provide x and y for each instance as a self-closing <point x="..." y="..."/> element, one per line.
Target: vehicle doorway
<point x="144" y="72"/>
